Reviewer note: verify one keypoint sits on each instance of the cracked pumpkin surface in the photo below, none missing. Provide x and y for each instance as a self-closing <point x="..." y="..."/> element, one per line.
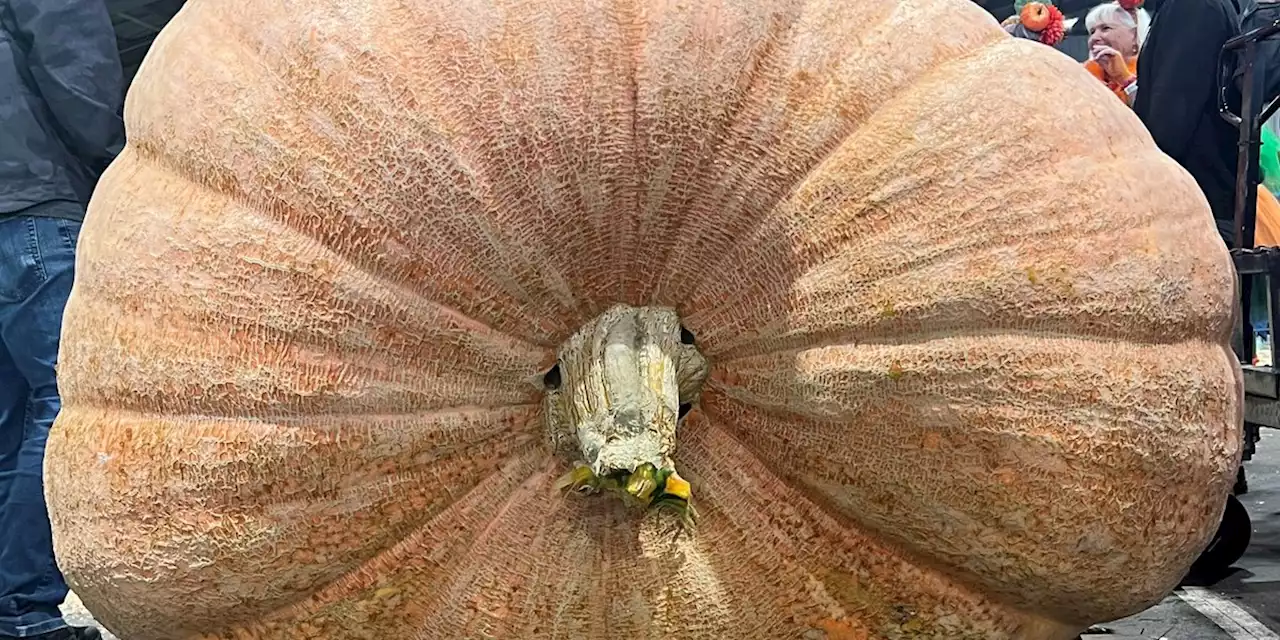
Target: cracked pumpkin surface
<point x="968" y="373"/>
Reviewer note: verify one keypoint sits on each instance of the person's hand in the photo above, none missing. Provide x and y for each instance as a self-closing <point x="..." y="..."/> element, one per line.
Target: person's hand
<point x="1112" y="64"/>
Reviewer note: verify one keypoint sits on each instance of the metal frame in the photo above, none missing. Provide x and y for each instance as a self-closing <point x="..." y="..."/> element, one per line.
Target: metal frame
<point x="1254" y="265"/>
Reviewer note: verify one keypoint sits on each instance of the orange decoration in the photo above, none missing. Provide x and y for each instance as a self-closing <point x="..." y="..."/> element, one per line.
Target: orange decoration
<point x="1036" y="16"/>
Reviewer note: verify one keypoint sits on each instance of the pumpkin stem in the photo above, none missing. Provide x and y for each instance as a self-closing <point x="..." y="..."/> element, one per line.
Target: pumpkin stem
<point x="615" y="399"/>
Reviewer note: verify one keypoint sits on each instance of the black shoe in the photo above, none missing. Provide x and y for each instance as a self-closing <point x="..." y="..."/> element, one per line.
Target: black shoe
<point x="65" y="633"/>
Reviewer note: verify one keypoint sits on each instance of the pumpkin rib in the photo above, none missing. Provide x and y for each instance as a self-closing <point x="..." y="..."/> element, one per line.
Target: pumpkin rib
<point x="360" y="357"/>
<point x="239" y="465"/>
<point x="281" y="553"/>
<point x="850" y="526"/>
<point x="889" y="297"/>
<point x="222" y="178"/>
<point x="627" y="229"/>
<point x="321" y="421"/>
<point x="843" y="584"/>
<point x="250" y="203"/>
<point x="909" y="74"/>
<point x="897" y="338"/>
<point x="1102" y="164"/>
<point x="380" y="562"/>
<point x="305" y="289"/>
<point x="803" y="500"/>
<point x="875" y="372"/>
<point x="811" y="105"/>
<point x="489" y="198"/>
<point x="287" y="542"/>
<point x="867" y="169"/>
<point x="368" y="582"/>
<point x="773" y="48"/>
<point x="237" y="382"/>
<point x="367" y="288"/>
<point x="1089" y="606"/>
<point x="493" y="195"/>
<point x="960" y="451"/>
<point x="510" y="182"/>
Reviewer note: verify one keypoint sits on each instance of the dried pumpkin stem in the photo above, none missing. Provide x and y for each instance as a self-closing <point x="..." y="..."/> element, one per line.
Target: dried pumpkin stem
<point x="616" y="398"/>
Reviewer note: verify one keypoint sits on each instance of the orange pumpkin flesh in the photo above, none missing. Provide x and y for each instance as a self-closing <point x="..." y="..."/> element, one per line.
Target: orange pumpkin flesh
<point x="969" y="379"/>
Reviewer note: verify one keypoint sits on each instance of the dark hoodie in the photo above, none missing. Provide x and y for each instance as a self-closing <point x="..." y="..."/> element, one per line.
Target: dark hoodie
<point x="1178" y="95"/>
<point x="61" y="87"/>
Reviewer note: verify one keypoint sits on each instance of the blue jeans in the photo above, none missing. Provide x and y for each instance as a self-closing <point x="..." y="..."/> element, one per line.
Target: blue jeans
<point x="37" y="264"/>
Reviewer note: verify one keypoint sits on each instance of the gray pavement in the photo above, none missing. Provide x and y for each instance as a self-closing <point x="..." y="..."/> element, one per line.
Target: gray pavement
<point x="1244" y="605"/>
<point x="74" y="612"/>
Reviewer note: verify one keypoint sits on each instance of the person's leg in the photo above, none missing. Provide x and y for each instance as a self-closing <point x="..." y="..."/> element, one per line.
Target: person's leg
<point x="13" y="418"/>
<point x="37" y="265"/>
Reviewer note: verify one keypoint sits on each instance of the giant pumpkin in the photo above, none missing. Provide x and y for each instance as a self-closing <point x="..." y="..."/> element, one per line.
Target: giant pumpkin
<point x="462" y="319"/>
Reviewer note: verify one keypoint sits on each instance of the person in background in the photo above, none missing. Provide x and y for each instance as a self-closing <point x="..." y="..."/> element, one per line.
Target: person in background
<point x="1115" y="35"/>
<point x="61" y="87"/>
<point x="1178" y="97"/>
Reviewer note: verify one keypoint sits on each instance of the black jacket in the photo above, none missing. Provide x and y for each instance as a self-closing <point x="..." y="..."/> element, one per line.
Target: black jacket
<point x="1178" y="96"/>
<point x="61" y="87"/>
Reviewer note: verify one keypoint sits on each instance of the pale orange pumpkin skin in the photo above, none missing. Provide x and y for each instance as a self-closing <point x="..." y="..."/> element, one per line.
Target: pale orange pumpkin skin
<point x="969" y="369"/>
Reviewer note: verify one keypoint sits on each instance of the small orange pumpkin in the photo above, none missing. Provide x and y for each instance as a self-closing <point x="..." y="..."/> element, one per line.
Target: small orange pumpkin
<point x="1036" y="16"/>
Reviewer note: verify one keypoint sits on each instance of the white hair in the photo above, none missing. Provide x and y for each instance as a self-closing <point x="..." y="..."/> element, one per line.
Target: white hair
<point x="1114" y="12"/>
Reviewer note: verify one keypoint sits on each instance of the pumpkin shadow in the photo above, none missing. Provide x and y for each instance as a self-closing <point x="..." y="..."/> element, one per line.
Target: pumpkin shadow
<point x="1210" y="577"/>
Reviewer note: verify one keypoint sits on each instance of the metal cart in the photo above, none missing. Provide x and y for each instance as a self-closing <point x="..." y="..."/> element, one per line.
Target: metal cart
<point x="1243" y="73"/>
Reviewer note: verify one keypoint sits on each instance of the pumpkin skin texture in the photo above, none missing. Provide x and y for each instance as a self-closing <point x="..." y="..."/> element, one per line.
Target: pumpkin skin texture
<point x="969" y="374"/>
